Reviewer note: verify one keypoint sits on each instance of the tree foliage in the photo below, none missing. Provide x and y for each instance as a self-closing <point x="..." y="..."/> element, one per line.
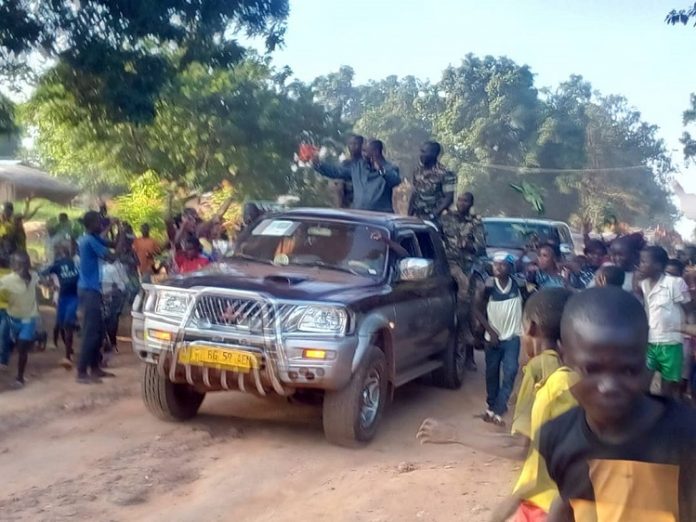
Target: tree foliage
<point x="569" y="151"/>
<point x="115" y="54"/>
<point x="687" y="139"/>
<point x="575" y="153"/>
<point x="241" y="124"/>
<point x="682" y="16"/>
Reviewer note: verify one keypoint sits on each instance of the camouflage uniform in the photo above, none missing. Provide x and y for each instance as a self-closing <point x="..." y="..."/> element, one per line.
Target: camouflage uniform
<point x="464" y="241"/>
<point x="429" y="189"/>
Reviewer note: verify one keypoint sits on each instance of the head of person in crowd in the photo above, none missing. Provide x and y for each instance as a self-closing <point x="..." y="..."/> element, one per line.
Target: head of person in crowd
<point x="429" y="153"/>
<point x="145" y="230"/>
<point x="503" y="266"/>
<point x="355" y="146"/>
<point x="7" y="210"/>
<point x="61" y="250"/>
<point x="610" y="275"/>
<point x="653" y="262"/>
<point x="192" y="248"/>
<point x="541" y="320"/>
<point x="682" y="256"/>
<point x="63" y="218"/>
<point x="690" y="251"/>
<point x="20" y="263"/>
<point x="547" y="258"/>
<point x="603" y="338"/>
<point x="465" y="202"/>
<point x="374" y="151"/>
<point x="92" y="222"/>
<point x="596" y="252"/>
<point x="250" y="213"/>
<point x="625" y="250"/>
<point x="675" y="268"/>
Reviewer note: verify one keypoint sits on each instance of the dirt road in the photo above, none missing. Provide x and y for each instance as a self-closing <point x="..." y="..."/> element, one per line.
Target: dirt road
<point x="92" y="452"/>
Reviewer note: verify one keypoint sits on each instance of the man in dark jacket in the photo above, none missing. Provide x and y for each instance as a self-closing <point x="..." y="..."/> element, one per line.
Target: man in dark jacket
<point x="373" y="178"/>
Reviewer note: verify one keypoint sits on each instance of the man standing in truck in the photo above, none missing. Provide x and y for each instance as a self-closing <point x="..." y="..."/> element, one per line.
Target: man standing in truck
<point x="433" y="185"/>
<point x="373" y="178"/>
<point x="465" y="240"/>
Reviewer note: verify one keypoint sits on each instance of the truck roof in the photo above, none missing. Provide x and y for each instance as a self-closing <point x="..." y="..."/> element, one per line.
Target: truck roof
<point x="359" y="216"/>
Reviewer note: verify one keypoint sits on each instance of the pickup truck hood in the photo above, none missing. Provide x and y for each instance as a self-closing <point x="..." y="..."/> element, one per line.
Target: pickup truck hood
<point x="283" y="282"/>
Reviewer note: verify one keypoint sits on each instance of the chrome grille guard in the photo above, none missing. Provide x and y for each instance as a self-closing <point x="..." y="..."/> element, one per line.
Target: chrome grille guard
<point x="252" y="319"/>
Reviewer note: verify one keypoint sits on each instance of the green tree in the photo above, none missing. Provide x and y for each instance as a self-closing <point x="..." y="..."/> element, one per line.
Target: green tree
<point x="241" y="123"/>
<point x="682" y="16"/>
<point x="9" y="131"/>
<point x="687" y="140"/>
<point x="112" y="50"/>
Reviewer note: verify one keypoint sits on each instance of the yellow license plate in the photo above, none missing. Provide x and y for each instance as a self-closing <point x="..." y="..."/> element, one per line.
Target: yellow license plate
<point x="218" y="357"/>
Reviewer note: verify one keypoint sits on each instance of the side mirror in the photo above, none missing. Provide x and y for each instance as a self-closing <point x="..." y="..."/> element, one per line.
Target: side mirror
<point x="415" y="269"/>
<point x="565" y="249"/>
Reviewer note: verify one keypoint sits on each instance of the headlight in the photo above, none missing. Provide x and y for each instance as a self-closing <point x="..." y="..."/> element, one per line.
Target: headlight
<point x="171" y="303"/>
<point x="323" y="319"/>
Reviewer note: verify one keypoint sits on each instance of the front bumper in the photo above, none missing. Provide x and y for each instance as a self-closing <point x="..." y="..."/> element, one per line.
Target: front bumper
<point x="283" y="366"/>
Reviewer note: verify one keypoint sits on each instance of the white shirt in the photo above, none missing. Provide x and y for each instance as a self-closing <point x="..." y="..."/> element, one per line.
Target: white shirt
<point x="663" y="304"/>
<point x="113" y="274"/>
<point x="504" y="309"/>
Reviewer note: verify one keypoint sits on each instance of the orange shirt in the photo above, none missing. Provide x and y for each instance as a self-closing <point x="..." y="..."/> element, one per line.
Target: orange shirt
<point x="145" y="248"/>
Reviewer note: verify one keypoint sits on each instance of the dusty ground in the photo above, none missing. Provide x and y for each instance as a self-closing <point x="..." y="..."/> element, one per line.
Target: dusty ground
<point x="93" y="453"/>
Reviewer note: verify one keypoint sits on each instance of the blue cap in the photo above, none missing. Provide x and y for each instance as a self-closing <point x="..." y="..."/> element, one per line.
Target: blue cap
<point x="503" y="257"/>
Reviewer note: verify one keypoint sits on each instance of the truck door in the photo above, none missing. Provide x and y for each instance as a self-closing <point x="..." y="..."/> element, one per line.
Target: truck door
<point x="411" y="304"/>
<point x="441" y="293"/>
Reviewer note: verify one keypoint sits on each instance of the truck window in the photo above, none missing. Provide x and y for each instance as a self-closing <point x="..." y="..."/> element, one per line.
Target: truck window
<point x="408" y="241"/>
<point x="428" y="240"/>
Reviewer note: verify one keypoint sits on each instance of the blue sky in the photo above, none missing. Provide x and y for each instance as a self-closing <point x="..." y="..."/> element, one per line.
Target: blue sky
<point x="620" y="46"/>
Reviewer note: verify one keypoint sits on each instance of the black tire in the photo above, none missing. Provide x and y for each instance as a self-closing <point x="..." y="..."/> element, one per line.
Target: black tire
<point x="342" y="410"/>
<point x="451" y="374"/>
<point x="167" y="400"/>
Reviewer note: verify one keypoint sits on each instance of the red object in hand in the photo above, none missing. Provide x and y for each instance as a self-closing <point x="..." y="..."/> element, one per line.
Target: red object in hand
<point x="307" y="151"/>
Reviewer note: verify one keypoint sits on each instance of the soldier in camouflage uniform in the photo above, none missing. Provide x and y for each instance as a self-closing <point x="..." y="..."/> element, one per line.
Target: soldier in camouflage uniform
<point x="433" y="185"/>
<point x="465" y="241"/>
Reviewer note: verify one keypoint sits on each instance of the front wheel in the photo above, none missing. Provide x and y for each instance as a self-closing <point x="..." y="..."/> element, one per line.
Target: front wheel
<point x="352" y="415"/>
<point x="167" y="400"/>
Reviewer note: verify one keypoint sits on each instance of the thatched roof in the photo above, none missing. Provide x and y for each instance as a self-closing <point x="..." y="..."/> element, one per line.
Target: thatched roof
<point x="28" y="182"/>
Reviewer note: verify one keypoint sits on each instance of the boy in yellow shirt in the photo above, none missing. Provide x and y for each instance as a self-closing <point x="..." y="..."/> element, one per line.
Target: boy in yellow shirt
<point x="543" y="396"/>
<point x="19" y="288"/>
<point x="5" y="341"/>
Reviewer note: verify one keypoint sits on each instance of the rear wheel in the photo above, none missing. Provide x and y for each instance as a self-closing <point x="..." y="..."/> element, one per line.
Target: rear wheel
<point x="352" y="415"/>
<point x="167" y="400"/>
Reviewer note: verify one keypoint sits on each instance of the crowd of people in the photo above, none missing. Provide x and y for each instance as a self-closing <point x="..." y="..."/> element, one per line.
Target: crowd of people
<point x="591" y="333"/>
<point x="96" y="264"/>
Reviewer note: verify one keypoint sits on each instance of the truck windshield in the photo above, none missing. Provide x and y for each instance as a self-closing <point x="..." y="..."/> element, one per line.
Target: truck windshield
<point x="345" y="247"/>
<point x="518" y="234"/>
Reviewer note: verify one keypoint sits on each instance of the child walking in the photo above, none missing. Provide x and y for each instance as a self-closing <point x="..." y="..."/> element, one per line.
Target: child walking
<point x="623" y="454"/>
<point x="548" y="398"/>
<point x="664" y="297"/>
<point x="19" y="288"/>
<point x="541" y="334"/>
<point x="5" y="338"/>
<point x="502" y="300"/>
<point x="66" y="272"/>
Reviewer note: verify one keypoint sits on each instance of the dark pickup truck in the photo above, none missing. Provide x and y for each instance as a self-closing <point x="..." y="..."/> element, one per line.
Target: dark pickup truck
<point x="310" y="302"/>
